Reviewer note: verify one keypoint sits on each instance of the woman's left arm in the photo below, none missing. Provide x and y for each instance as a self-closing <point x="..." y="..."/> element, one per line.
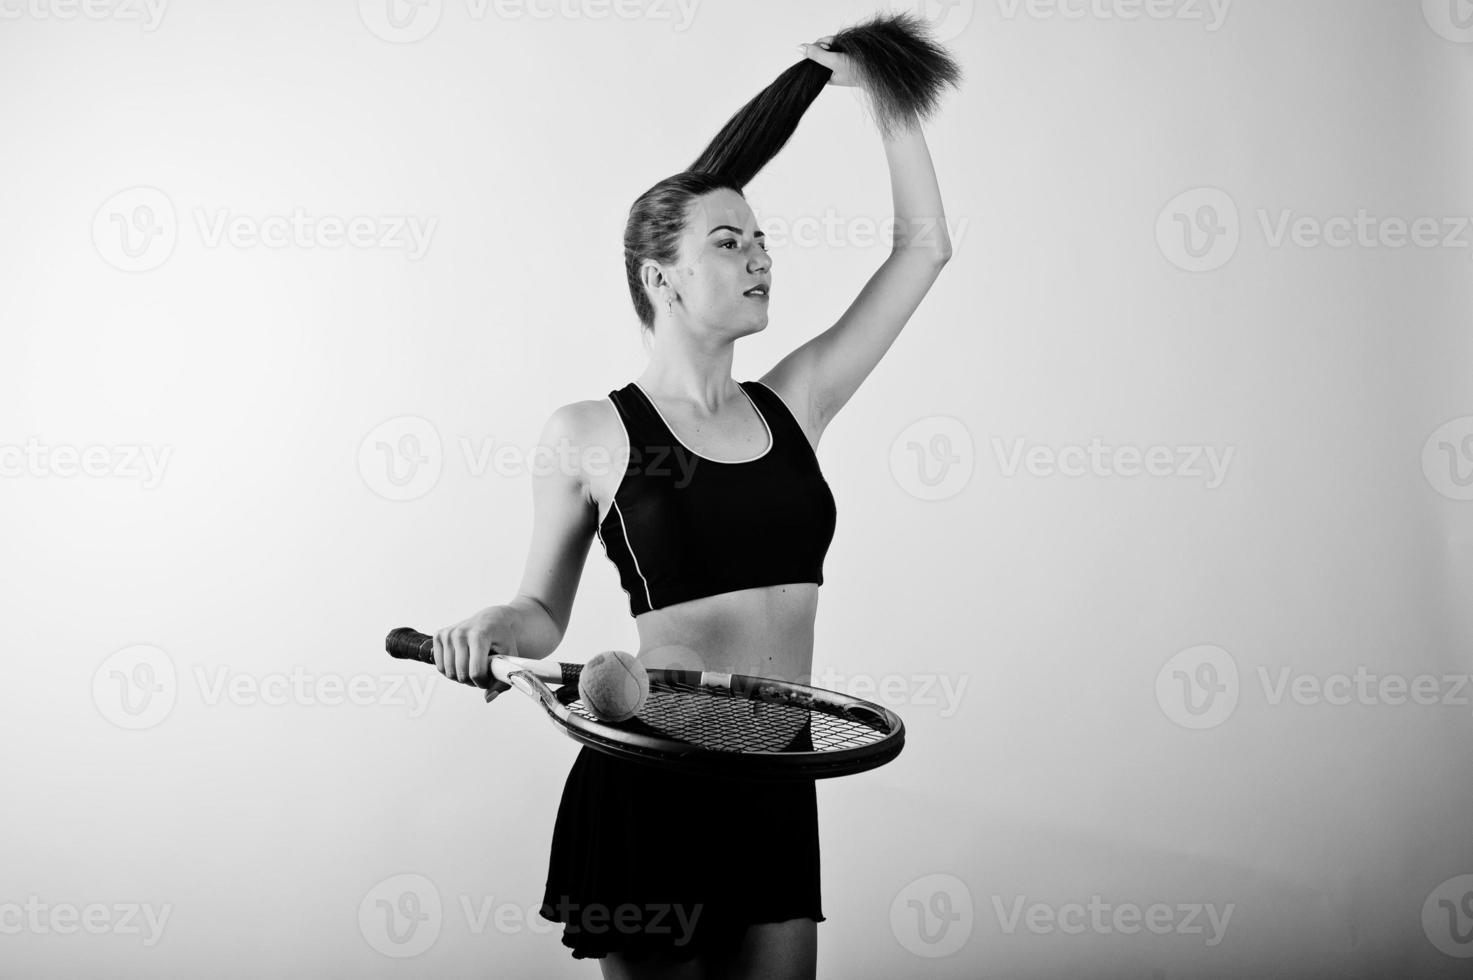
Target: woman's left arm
<point x="829" y="368"/>
<point x="848" y="351"/>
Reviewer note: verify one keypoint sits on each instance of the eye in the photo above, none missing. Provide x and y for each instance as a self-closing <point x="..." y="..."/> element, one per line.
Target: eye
<point x="734" y="243"/>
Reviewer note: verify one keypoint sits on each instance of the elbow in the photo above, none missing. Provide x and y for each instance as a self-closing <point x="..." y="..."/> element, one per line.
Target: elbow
<point x="941" y="248"/>
<point x="937" y="255"/>
<point x="934" y="255"/>
<point x="927" y="239"/>
<point x="937" y="251"/>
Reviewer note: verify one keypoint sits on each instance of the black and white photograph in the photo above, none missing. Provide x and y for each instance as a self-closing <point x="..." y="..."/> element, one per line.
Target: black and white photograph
<point x="737" y="490"/>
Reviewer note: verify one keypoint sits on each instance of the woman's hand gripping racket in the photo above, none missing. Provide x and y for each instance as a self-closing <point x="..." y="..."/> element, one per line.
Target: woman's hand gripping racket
<point x="707" y="722"/>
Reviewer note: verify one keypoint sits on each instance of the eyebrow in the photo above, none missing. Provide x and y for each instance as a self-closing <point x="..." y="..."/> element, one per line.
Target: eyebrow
<point x="756" y="234"/>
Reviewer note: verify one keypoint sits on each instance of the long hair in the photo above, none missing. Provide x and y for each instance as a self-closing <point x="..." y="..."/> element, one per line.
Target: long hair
<point x="898" y="65"/>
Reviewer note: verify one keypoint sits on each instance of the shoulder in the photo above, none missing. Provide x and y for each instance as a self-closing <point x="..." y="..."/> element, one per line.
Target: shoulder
<point x="576" y="419"/>
<point x="585" y="423"/>
<point x="588" y="424"/>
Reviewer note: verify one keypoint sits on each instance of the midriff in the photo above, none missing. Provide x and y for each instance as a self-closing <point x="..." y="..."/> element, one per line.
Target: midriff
<point x="767" y="632"/>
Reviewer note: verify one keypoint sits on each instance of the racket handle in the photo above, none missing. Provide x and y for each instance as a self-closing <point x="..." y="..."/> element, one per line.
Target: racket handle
<point x="410" y="644"/>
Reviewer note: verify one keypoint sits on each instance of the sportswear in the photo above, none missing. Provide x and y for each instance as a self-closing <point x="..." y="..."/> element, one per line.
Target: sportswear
<point x="651" y="862"/>
<point x="683" y="526"/>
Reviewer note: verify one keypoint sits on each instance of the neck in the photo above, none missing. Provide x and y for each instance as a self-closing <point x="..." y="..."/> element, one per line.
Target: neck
<point x="684" y="368"/>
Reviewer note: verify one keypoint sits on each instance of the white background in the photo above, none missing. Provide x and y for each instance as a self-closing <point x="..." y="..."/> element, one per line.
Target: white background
<point x="1339" y="538"/>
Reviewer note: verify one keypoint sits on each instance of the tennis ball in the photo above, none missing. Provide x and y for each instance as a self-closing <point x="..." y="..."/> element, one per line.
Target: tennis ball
<point x="613" y="685"/>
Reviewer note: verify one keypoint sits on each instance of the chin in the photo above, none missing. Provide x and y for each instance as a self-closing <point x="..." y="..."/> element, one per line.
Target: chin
<point x="747" y="322"/>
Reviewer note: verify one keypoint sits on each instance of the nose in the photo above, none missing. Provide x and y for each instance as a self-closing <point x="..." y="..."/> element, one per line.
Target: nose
<point x="760" y="260"/>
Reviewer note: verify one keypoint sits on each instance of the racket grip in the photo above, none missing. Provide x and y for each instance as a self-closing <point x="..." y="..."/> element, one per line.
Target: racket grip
<point x="409" y="644"/>
<point x="405" y="643"/>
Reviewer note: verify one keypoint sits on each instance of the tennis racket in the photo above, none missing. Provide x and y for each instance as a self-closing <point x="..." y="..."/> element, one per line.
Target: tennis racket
<point x="704" y="722"/>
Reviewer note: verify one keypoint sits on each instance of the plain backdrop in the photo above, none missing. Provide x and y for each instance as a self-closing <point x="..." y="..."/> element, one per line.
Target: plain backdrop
<point x="1225" y="699"/>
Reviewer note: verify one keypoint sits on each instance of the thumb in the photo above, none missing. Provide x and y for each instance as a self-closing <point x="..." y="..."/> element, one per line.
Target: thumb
<point x="494" y="686"/>
<point x="815" y="53"/>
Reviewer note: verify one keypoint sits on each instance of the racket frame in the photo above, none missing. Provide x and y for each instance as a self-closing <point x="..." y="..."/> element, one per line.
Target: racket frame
<point x="533" y="677"/>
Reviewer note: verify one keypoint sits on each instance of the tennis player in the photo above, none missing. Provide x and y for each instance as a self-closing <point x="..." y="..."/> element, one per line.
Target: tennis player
<point x="718" y="518"/>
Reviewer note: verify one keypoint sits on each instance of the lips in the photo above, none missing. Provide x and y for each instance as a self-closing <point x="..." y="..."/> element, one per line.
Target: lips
<point x="757" y="291"/>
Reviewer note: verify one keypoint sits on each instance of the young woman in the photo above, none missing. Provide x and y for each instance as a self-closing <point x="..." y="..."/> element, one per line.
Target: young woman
<point x="718" y="518"/>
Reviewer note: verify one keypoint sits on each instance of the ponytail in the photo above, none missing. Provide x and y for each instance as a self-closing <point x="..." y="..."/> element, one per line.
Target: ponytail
<point x="899" y="66"/>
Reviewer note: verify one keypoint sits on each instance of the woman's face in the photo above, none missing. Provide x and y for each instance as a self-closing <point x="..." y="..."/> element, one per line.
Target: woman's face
<point x="722" y="257"/>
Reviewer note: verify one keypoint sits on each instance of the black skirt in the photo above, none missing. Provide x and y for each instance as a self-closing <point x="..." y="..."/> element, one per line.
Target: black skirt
<point x="646" y="861"/>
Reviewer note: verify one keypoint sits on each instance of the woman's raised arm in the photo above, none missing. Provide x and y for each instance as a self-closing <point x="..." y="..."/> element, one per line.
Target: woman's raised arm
<point x="827" y="370"/>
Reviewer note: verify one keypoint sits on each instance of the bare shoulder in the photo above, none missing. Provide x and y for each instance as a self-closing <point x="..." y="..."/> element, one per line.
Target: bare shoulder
<point x="594" y="435"/>
<point x="595" y="422"/>
<point x="793" y="384"/>
<point x="577" y="421"/>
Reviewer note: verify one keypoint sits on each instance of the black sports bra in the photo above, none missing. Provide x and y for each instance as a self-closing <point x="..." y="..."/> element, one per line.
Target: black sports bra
<point x="683" y="527"/>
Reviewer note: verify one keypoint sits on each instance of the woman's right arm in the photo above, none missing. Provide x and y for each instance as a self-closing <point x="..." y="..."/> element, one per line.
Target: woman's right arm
<point x="564" y="517"/>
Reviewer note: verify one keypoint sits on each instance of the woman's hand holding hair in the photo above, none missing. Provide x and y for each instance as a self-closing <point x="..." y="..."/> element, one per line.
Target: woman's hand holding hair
<point x="840" y="64"/>
<point x="895" y="60"/>
<point x="892" y="58"/>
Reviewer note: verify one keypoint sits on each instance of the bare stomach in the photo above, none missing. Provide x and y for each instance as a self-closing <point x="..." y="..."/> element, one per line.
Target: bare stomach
<point x="766" y="632"/>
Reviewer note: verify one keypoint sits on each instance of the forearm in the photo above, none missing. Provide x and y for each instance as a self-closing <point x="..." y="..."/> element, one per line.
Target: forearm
<point x="538" y="634"/>
<point x="920" y="221"/>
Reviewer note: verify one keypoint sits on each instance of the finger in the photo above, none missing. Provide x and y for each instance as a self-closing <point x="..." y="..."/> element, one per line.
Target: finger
<point x="438" y="645"/>
<point x="814" y="53"/>
<point x="462" y="656"/>
<point x="479" y="645"/>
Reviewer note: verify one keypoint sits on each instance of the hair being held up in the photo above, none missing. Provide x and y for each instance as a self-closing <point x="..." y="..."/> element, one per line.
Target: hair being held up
<point x="903" y="71"/>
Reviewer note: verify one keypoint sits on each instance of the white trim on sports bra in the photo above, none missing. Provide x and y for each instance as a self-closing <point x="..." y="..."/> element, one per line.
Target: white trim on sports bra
<point x="623" y="528"/>
<point x="648" y="599"/>
<point x="771" y="439"/>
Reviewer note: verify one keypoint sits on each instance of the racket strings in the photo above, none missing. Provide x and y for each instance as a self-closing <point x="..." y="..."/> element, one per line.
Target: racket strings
<point x="722" y="723"/>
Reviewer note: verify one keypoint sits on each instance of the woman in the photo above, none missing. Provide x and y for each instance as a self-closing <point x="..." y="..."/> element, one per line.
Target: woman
<point x="717" y="517"/>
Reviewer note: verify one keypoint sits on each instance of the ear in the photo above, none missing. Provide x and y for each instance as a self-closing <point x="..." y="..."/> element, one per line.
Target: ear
<point x="652" y="276"/>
